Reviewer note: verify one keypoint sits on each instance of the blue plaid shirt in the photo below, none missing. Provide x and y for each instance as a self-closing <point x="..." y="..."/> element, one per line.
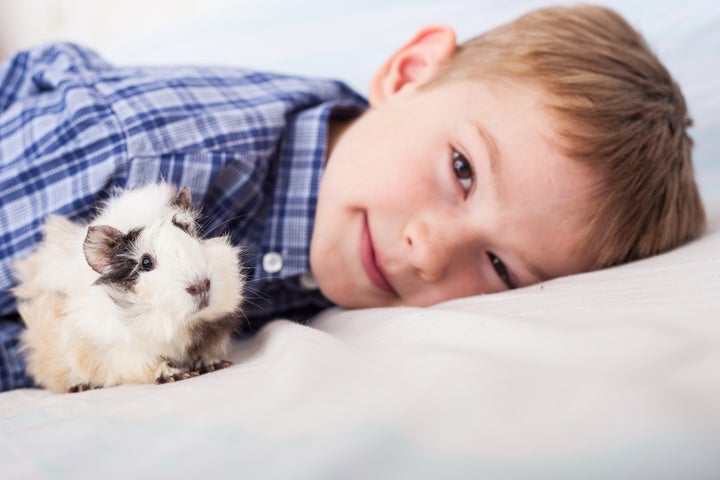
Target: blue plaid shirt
<point x="249" y="145"/>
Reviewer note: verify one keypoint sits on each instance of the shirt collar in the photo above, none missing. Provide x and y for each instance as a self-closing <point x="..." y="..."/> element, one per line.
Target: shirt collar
<point x="286" y="238"/>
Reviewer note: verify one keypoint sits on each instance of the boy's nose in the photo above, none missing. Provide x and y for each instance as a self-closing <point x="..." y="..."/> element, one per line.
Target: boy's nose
<point x="428" y="250"/>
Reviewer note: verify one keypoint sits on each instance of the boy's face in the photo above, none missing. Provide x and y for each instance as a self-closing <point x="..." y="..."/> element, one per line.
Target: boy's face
<point x="445" y="192"/>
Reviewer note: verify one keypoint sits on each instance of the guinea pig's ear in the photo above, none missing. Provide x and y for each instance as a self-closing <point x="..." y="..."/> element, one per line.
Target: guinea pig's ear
<point x="100" y="242"/>
<point x="183" y="200"/>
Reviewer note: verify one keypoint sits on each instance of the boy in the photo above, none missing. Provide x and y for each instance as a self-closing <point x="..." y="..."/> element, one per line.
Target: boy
<point x="552" y="145"/>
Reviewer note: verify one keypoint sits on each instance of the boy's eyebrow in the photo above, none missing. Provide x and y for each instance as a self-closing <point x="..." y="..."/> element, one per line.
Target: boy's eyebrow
<point x="493" y="155"/>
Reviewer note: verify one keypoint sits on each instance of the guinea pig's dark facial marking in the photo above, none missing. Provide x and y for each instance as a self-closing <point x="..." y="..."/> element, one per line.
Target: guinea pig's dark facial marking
<point x="185" y="225"/>
<point x="99" y="244"/>
<point x="123" y="270"/>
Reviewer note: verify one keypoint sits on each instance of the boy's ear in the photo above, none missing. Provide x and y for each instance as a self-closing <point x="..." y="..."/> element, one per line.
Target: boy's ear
<point x="414" y="63"/>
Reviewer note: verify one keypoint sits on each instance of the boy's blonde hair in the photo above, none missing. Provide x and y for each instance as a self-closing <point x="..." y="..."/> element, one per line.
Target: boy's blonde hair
<point x="618" y="111"/>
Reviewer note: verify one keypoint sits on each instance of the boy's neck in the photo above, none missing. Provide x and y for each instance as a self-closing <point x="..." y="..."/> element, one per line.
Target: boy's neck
<point x="336" y="129"/>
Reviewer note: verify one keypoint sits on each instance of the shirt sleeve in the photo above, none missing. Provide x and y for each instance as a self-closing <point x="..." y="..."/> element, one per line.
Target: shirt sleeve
<point x="33" y="71"/>
<point x="61" y="147"/>
<point x="12" y="367"/>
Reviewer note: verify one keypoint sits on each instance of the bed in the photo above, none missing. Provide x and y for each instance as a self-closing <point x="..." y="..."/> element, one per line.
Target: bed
<point x="612" y="374"/>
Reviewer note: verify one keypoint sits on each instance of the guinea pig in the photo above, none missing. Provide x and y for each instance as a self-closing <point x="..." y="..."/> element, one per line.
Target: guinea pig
<point x="135" y="296"/>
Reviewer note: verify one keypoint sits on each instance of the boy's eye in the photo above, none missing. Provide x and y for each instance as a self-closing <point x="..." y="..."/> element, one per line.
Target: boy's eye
<point x="501" y="270"/>
<point x="463" y="170"/>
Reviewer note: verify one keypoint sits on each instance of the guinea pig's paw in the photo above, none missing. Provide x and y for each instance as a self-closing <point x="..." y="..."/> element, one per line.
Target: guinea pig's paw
<point x="82" y="387"/>
<point x="166" y="373"/>
<point x="212" y="366"/>
<point x="184" y="375"/>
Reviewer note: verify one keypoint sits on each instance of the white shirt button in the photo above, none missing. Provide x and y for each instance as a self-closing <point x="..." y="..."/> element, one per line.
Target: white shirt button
<point x="272" y="262"/>
<point x="308" y="282"/>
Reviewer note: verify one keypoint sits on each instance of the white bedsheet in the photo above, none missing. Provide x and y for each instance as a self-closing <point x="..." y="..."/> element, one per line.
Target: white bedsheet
<point x="611" y="374"/>
<point x="606" y="375"/>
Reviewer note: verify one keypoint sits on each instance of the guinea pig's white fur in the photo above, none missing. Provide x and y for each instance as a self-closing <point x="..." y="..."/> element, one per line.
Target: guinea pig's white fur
<point x="135" y="296"/>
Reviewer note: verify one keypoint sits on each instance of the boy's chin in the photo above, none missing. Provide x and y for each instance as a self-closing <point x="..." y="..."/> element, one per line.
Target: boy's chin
<point x="352" y="298"/>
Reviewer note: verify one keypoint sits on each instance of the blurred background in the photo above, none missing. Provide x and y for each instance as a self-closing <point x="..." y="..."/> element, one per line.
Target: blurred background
<point x="95" y="22"/>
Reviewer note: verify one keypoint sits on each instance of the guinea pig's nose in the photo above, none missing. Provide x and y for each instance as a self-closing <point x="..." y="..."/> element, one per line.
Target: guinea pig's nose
<point x="201" y="292"/>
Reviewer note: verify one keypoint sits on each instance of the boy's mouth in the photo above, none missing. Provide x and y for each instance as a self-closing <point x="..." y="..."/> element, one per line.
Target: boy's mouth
<point x="370" y="262"/>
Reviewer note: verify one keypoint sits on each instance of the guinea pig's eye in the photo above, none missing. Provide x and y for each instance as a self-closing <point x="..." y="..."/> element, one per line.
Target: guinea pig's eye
<point x="147" y="263"/>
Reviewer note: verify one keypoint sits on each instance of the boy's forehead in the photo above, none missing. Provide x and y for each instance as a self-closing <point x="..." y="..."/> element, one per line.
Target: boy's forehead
<point x="516" y="128"/>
